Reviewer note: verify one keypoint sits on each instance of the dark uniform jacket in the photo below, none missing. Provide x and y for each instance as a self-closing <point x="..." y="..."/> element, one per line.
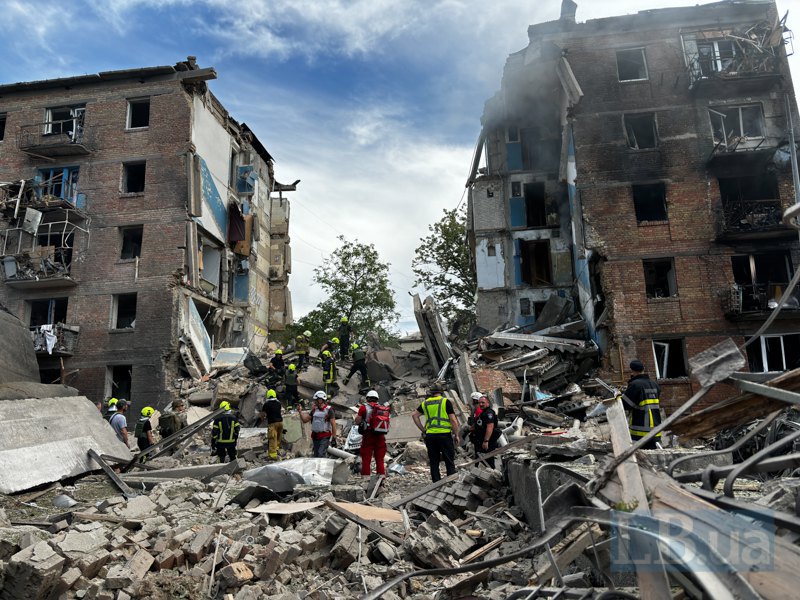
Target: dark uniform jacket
<point x="225" y="430"/>
<point x="641" y="398"/>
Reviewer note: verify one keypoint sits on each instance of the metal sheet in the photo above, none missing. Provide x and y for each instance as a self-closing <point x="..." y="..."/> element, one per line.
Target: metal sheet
<point x="46" y="439"/>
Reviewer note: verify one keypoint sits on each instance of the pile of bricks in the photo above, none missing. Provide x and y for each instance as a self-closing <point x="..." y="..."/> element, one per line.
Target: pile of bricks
<point x="472" y="489"/>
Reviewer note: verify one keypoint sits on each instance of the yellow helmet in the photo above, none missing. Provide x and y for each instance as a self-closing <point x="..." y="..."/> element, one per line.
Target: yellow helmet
<point x="279" y="351"/>
<point x="335" y="340"/>
<point x="292" y="367"/>
<point x="148" y="411"/>
<point x="112" y="401"/>
<point x="344" y="320"/>
<point x="225" y="405"/>
<point x="271" y="394"/>
<point x="326" y="353"/>
<point x="354" y="346"/>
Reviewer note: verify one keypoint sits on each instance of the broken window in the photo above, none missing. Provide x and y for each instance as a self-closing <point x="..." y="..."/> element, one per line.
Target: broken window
<point x="48" y="311"/>
<point x="670" y="356"/>
<point x="762" y="278"/>
<point x="715" y="57"/>
<point x="516" y="189"/>
<point x="640" y="130"/>
<point x="55" y="247"/>
<point x="631" y="64"/>
<point x="138" y="113"/>
<point x="535" y="266"/>
<point x="131" y="241"/>
<point x="61" y="182"/>
<point x="773" y="353"/>
<point x="2" y="126"/>
<point x="535" y="209"/>
<point x="731" y="125"/>
<point x="124" y="311"/>
<point x="659" y="278"/>
<point x="650" y="202"/>
<point x="66" y="120"/>
<point x="133" y="177"/>
<point x="748" y="188"/>
<point x="119" y="380"/>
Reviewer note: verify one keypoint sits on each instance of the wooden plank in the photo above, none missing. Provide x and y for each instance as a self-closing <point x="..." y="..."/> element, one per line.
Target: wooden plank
<point x="567" y="550"/>
<point x="371" y="525"/>
<point x="373" y="513"/>
<point x="476" y="554"/>
<point x="283" y="508"/>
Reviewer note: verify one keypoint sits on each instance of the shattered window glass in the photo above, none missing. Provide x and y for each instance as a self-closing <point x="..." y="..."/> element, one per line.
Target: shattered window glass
<point x="631" y="64"/>
<point x="732" y="125"/>
<point x="640" y="131"/>
<point x="670" y="358"/>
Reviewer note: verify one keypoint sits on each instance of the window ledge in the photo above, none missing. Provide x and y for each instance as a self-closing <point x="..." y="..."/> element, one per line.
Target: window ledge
<point x="626" y="81"/>
<point x="676" y="380"/>
<point x="652" y="223"/>
<point x="130" y="194"/>
<point x="665" y="299"/>
<point x="133" y="129"/>
<point x="126" y="260"/>
<point x="638" y="150"/>
<point x="125" y="330"/>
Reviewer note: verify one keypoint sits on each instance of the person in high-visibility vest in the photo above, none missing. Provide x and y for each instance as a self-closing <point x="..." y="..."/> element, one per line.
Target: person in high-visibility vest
<point x="329" y="373"/>
<point x="440" y="429"/>
<point x="225" y="433"/>
<point x="641" y="399"/>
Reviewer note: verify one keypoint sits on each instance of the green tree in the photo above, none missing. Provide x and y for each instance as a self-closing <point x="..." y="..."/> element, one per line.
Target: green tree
<point x="442" y="266"/>
<point x="356" y="285"/>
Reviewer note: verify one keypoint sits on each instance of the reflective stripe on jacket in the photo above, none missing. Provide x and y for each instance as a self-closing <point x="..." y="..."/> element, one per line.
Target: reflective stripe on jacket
<point x="226" y="429"/>
<point x="290" y="378"/>
<point x="436" y="417"/>
<point x="641" y="398"/>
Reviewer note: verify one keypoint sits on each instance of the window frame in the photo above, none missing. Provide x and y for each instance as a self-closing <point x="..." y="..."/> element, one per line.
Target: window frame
<point x="638" y="115"/>
<point x="3" y="125"/>
<point x="658" y="367"/>
<point x="672" y="282"/>
<point x="129" y="115"/>
<point x="114" y="317"/>
<point x="122" y="231"/>
<point x="643" y="54"/>
<point x="77" y="116"/>
<point x="72" y="174"/>
<point x="716" y="112"/>
<point x="124" y="179"/>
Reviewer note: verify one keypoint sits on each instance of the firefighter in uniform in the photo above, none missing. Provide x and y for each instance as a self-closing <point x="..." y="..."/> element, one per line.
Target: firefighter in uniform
<point x="360" y="365"/>
<point x="329" y="373"/>
<point x="290" y="394"/>
<point x="641" y="399"/>
<point x="344" y="336"/>
<point x="440" y="429"/>
<point x="225" y="433"/>
<point x="301" y="346"/>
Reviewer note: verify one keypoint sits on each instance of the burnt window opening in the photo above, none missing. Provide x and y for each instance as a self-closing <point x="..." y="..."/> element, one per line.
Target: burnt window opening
<point x="59" y="245"/>
<point x="774" y="353"/>
<point x="732" y="125"/>
<point x="516" y="189"/>
<point x="124" y="311"/>
<point x="748" y="188"/>
<point x="50" y="376"/>
<point x="535" y="208"/>
<point x="48" y="311"/>
<point x="640" y="131"/>
<point x="2" y="126"/>
<point x="138" y="113"/>
<point x="120" y="380"/>
<point x="631" y="64"/>
<point x="133" y="177"/>
<point x="525" y="307"/>
<point x="513" y="134"/>
<point x="535" y="265"/>
<point x="659" y="278"/>
<point x="715" y="56"/>
<point x="650" y="202"/>
<point x="131" y="241"/>
<point x="762" y="278"/>
<point x="670" y="355"/>
<point x="60" y="181"/>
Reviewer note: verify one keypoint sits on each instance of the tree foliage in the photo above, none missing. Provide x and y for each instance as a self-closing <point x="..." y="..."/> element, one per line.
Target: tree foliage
<point x="442" y="265"/>
<point x="356" y="285"/>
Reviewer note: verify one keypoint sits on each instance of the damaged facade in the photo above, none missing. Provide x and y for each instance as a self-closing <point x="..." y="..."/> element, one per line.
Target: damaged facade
<point x="639" y="167"/>
<point x="141" y="227"/>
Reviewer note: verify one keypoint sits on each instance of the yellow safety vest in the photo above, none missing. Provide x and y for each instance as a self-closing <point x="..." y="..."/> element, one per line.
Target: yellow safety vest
<point x="436" y="417"/>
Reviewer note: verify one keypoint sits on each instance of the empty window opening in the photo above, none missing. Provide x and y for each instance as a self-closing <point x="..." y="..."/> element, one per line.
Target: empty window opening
<point x="525" y="307"/>
<point x="535" y="209"/>
<point x="535" y="266"/>
<point x="748" y="188"/>
<point x="131" y="241"/>
<point x="631" y="64"/>
<point x="650" y="202"/>
<point x="124" y="311"/>
<point x="491" y="250"/>
<point x="640" y="131"/>
<point x="762" y="278"/>
<point x="50" y="376"/>
<point x="774" y="353"/>
<point x="2" y="126"/>
<point x="67" y="120"/>
<point x="513" y="134"/>
<point x="138" y="113"/>
<point x="48" y="311"/>
<point x="119" y="380"/>
<point x="516" y="189"/>
<point x="61" y="182"/>
<point x="55" y="247"/>
<point x="715" y="57"/>
<point x="659" y="278"/>
<point x="133" y="177"/>
<point x="733" y="125"/>
<point x="670" y="358"/>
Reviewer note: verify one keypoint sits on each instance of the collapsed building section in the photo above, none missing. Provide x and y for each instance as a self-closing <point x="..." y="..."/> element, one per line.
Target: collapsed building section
<point x="142" y="227"/>
<point x="638" y="166"/>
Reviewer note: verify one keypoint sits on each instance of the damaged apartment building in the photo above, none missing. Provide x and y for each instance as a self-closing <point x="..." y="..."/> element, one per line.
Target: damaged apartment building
<point x="639" y="166"/>
<point x="142" y="227"/>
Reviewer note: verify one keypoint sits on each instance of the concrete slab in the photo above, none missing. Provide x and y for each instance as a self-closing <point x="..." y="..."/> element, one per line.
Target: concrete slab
<point x="16" y="365"/>
<point x="46" y="439"/>
<point x="402" y="429"/>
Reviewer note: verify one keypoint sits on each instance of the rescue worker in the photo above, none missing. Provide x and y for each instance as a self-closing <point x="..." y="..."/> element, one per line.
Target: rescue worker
<point x="323" y="424"/>
<point x="332" y="346"/>
<point x="440" y="430"/>
<point x="290" y="394"/>
<point x="143" y="432"/>
<point x="373" y="442"/>
<point x="641" y="398"/>
<point x="225" y="433"/>
<point x="111" y="409"/>
<point x="118" y="420"/>
<point x="276" y="362"/>
<point x="359" y="364"/>
<point x="486" y="430"/>
<point x="272" y="408"/>
<point x="344" y="337"/>
<point x="173" y="420"/>
<point x="329" y="373"/>
<point x="476" y="412"/>
<point x="301" y="345"/>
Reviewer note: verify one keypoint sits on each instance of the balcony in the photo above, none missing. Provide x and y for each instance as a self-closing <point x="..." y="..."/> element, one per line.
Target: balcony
<point x="752" y="220"/>
<point x="753" y="302"/>
<point x="55" y="340"/>
<point x="52" y="139"/>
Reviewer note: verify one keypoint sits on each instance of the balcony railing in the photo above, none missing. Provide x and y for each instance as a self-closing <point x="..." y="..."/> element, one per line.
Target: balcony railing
<point x="759" y="297"/>
<point x="58" y="339"/>
<point x="68" y="137"/>
<point x="718" y="67"/>
<point x="49" y="267"/>
<point x="751" y="218"/>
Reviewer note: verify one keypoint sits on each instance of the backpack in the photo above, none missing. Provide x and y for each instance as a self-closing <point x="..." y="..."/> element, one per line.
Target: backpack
<point x="378" y="418"/>
<point x="139" y="429"/>
<point x="168" y="422"/>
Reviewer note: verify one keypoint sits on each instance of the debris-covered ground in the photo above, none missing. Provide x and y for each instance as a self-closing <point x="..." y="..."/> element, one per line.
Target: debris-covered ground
<point x="566" y="510"/>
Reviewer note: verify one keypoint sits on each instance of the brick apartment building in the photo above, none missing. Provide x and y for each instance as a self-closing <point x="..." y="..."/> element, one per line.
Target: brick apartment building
<point x="141" y="226"/>
<point x="639" y="165"/>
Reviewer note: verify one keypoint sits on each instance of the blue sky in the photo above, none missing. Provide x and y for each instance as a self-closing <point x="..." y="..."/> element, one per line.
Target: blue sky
<point x="374" y="105"/>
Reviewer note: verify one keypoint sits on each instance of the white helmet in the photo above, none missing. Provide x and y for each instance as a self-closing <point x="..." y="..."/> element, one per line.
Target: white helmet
<point x="320" y="395"/>
<point x="476" y="396"/>
<point x="307" y="333"/>
<point x="372" y="394"/>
